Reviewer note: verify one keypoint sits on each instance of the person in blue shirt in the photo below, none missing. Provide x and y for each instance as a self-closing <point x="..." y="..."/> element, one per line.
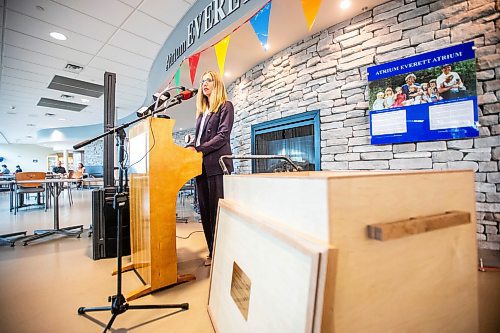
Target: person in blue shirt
<point x="410" y="82"/>
<point x="59" y="168"/>
<point x="18" y="169"/>
<point x="5" y="171"/>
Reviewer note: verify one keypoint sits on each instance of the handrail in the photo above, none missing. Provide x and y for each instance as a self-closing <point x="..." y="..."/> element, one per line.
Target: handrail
<point x="255" y="157"/>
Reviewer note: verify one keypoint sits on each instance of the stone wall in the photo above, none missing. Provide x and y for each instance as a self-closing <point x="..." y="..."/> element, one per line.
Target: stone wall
<point x="94" y="153"/>
<point x="179" y="136"/>
<point x="328" y="72"/>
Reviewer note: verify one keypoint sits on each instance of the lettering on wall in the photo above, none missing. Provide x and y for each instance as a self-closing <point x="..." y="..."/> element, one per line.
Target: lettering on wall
<point x="209" y="17"/>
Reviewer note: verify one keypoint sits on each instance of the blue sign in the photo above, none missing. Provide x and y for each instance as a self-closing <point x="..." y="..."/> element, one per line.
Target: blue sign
<point x="431" y="96"/>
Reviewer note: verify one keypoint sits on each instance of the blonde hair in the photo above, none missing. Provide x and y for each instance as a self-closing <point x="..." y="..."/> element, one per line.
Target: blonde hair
<point x="217" y="97"/>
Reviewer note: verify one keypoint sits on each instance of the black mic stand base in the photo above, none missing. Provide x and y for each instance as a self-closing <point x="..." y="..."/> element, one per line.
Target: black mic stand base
<point x="119" y="305"/>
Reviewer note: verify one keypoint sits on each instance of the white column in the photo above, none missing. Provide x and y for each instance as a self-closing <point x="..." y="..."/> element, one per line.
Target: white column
<point x="65" y="160"/>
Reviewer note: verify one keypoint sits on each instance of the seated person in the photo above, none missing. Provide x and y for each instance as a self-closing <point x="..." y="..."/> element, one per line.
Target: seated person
<point x="18" y="169"/>
<point x="81" y="171"/>
<point x="80" y="168"/>
<point x="59" y="168"/>
<point x="4" y="170"/>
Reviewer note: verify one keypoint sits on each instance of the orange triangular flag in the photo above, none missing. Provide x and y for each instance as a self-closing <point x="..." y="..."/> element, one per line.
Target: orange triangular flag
<point x="310" y="8"/>
<point x="220" y="52"/>
<point x="193" y="65"/>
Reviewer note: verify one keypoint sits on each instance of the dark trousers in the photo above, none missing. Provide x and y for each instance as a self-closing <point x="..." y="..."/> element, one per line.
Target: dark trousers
<point x="210" y="189"/>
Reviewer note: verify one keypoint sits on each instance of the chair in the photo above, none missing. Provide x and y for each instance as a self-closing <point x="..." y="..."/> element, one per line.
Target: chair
<point x="27" y="188"/>
<point x="77" y="175"/>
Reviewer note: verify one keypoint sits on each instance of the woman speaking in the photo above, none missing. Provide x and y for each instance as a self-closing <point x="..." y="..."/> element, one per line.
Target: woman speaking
<point x="214" y="121"/>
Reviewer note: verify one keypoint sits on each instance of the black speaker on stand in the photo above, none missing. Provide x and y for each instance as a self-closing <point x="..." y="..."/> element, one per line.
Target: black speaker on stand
<point x="104" y="231"/>
<point x="104" y="225"/>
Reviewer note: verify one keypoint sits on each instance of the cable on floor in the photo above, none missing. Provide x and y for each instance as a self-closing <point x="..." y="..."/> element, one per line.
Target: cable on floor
<point x="189" y="234"/>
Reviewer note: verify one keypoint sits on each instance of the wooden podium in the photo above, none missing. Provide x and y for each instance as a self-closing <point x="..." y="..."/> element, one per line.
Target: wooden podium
<point x="159" y="169"/>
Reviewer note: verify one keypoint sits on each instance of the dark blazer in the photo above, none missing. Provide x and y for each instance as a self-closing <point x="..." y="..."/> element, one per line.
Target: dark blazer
<point x="214" y="141"/>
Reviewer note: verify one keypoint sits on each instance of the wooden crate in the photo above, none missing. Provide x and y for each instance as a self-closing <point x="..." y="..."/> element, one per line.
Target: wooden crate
<point x="424" y="282"/>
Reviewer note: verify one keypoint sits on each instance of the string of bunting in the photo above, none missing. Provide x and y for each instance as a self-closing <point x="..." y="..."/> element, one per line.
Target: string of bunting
<point x="260" y="25"/>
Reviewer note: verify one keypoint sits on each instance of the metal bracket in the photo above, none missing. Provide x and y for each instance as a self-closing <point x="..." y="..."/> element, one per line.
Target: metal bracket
<point x="255" y="157"/>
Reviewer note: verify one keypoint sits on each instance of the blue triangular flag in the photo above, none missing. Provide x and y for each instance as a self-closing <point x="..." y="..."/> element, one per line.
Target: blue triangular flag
<point x="260" y="24"/>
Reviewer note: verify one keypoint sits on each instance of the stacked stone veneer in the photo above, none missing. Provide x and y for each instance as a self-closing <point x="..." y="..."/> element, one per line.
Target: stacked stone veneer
<point x="94" y="153"/>
<point x="179" y="136"/>
<point x="328" y="72"/>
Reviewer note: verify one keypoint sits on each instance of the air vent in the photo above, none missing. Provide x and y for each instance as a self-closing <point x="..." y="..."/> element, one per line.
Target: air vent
<point x="65" y="96"/>
<point x="48" y="114"/>
<point x="73" y="86"/>
<point x="30" y="125"/>
<point x="56" y="104"/>
<point x="73" y="68"/>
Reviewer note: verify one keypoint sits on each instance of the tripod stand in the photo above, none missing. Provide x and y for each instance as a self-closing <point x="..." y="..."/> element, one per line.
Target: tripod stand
<point x="118" y="303"/>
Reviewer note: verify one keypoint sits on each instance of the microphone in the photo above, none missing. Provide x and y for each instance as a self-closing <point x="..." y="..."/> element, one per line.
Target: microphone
<point x="186" y="94"/>
<point x="158" y="98"/>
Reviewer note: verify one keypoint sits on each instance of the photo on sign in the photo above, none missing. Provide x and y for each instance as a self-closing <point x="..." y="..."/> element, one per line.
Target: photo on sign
<point x="431" y="85"/>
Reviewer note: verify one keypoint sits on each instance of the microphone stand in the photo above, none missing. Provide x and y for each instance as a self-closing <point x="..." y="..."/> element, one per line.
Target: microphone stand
<point x="118" y="303"/>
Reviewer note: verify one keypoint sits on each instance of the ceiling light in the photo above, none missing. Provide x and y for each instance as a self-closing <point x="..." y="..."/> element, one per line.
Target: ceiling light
<point x="227" y="74"/>
<point x="58" y="36"/>
<point x="84" y="100"/>
<point x="62" y="119"/>
<point x="31" y="125"/>
<point x="266" y="47"/>
<point x="344" y="4"/>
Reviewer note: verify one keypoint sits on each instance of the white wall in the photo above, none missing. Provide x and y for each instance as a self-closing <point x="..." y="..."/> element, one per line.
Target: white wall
<point x="24" y="155"/>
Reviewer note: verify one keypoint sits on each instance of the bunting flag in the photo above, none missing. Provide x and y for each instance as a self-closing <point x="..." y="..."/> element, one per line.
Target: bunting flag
<point x="177" y="78"/>
<point x="310" y="8"/>
<point x="260" y="24"/>
<point x="193" y="65"/>
<point x="220" y="52"/>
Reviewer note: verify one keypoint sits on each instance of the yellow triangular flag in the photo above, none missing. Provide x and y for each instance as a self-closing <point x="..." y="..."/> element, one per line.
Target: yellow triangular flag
<point x="310" y="8"/>
<point x="220" y="52"/>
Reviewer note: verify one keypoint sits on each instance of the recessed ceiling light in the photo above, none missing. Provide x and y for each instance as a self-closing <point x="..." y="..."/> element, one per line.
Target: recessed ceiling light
<point x="266" y="47"/>
<point x="62" y="119"/>
<point x="344" y="4"/>
<point x="227" y="74"/>
<point x="58" y="35"/>
<point x="84" y="100"/>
